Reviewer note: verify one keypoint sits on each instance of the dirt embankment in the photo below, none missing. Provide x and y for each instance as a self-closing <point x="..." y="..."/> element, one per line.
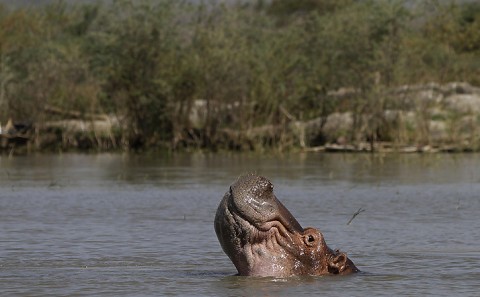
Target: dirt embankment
<point x="418" y="118"/>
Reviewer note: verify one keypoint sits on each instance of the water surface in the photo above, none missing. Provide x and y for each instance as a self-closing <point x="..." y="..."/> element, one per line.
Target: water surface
<point x="112" y="225"/>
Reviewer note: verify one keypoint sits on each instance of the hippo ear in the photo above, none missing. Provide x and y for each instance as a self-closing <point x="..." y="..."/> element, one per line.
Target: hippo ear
<point x="338" y="263"/>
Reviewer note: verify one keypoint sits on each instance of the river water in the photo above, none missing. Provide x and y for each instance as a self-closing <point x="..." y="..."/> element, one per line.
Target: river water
<point x="113" y="225"/>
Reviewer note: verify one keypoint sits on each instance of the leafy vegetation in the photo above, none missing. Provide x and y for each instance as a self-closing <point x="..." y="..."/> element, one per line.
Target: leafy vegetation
<point x="154" y="63"/>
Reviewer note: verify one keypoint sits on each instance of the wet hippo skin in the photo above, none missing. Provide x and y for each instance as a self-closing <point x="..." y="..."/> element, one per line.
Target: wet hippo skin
<point x="262" y="238"/>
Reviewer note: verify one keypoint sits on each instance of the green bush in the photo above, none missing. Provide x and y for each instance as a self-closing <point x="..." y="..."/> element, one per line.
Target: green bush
<point x="253" y="64"/>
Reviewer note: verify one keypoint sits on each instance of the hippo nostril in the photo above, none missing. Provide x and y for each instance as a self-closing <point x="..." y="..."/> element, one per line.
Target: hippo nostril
<point x="333" y="270"/>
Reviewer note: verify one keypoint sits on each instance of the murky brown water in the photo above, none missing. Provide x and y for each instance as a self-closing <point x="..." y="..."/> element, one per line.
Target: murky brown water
<point x="111" y="225"/>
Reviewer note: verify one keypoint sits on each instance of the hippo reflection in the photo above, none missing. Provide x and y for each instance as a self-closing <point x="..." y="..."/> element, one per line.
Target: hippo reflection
<point x="262" y="238"/>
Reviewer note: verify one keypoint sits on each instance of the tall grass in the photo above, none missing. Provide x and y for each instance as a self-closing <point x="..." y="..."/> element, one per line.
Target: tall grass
<point x="257" y="64"/>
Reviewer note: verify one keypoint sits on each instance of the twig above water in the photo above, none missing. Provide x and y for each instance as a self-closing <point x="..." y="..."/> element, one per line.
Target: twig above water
<point x="359" y="211"/>
<point x="52" y="184"/>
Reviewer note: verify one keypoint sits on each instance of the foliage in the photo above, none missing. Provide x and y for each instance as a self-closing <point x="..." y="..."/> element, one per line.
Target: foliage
<point x="151" y="63"/>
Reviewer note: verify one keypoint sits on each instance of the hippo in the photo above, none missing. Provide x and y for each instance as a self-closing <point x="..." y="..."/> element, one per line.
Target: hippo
<point x="262" y="238"/>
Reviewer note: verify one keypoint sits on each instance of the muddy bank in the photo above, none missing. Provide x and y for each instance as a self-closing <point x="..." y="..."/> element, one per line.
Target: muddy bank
<point x="428" y="117"/>
<point x="418" y="118"/>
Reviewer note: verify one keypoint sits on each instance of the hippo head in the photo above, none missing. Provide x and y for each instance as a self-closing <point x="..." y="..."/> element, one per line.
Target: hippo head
<point x="262" y="238"/>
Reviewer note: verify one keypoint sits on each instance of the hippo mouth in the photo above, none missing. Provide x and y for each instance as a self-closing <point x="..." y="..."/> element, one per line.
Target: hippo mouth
<point x="278" y="231"/>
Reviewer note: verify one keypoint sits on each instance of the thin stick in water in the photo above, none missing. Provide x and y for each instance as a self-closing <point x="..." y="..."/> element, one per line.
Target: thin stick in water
<point x="360" y="210"/>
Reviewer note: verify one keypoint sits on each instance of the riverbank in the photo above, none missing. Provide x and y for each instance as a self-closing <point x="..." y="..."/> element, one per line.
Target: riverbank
<point x="416" y="118"/>
<point x="275" y="76"/>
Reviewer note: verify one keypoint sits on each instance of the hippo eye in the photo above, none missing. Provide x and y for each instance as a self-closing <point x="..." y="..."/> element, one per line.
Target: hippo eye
<point x="311" y="238"/>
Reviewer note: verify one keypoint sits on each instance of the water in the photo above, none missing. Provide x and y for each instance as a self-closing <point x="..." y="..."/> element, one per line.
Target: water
<point x="113" y="225"/>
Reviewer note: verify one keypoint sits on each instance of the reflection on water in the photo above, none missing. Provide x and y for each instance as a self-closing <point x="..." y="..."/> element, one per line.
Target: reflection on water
<point x="143" y="225"/>
<point x="207" y="168"/>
